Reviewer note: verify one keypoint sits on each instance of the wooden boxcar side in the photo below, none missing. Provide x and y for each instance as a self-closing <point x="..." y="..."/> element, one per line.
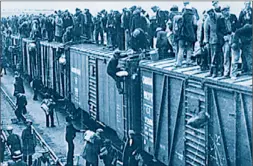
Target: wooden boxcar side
<point x="103" y="102"/>
<point x="225" y="139"/>
<point x="55" y="76"/>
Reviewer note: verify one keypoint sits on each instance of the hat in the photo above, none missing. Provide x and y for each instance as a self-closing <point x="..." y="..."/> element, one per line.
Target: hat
<point x="158" y="29"/>
<point x="17" y="154"/>
<point x="225" y="8"/>
<point x="154" y="7"/>
<point x="9" y="128"/>
<point x="68" y="119"/>
<point x="131" y="132"/>
<point x="77" y="9"/>
<point x="214" y="2"/>
<point x="99" y="130"/>
<point x="174" y="8"/>
<point x="117" y="52"/>
<point x="29" y="122"/>
<point x="186" y="2"/>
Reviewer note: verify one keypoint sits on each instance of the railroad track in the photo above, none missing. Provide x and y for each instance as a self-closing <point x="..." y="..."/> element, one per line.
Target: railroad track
<point x="42" y="142"/>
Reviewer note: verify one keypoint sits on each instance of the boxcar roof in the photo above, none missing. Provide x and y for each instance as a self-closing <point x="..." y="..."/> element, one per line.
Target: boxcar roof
<point x="93" y="49"/>
<point x="52" y="44"/>
<point x="166" y="66"/>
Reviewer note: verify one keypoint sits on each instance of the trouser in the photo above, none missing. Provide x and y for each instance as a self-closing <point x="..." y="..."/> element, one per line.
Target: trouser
<point x="51" y="115"/>
<point x="127" y="39"/>
<point x="58" y="38"/>
<point x="29" y="159"/>
<point x="19" y="115"/>
<point x="35" y="94"/>
<point x="3" y="69"/>
<point x="121" y="38"/>
<point x="205" y="58"/>
<point x="99" y="32"/>
<point x="247" y="58"/>
<point x="184" y="46"/>
<point x="114" y="39"/>
<point x="70" y="154"/>
<point x="108" y="39"/>
<point x="88" y="32"/>
<point x="50" y="34"/>
<point x="227" y="58"/>
<point x="216" y="59"/>
<point x="235" y="62"/>
<point x="90" y="164"/>
<point x="2" y="149"/>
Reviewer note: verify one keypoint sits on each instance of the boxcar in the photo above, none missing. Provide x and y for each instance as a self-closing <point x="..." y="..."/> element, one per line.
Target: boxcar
<point x="95" y="92"/>
<point x="170" y="97"/>
<point x="31" y="64"/>
<point x="55" y="74"/>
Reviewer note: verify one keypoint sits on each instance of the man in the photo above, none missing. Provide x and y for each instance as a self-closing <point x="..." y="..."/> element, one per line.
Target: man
<point x="125" y="24"/>
<point x="49" y="25"/>
<point x="42" y="160"/>
<point x="245" y="16"/>
<point x="18" y="84"/>
<point x="36" y="85"/>
<point x="112" y="69"/>
<point x="67" y="36"/>
<point x="2" y="146"/>
<point x="139" y="40"/>
<point x="195" y="11"/>
<point x="21" y="107"/>
<point x="88" y="24"/>
<point x="92" y="147"/>
<point x="108" y="154"/>
<point x="58" y="27"/>
<point x="187" y="36"/>
<point x="13" y="140"/>
<point x="78" y="24"/>
<point x="111" y="27"/>
<point x="230" y="21"/>
<point x="217" y="7"/>
<point x="138" y="21"/>
<point x="17" y="159"/>
<point x="162" y="44"/>
<point x="69" y="137"/>
<point x="161" y="17"/>
<point x="67" y="20"/>
<point x="120" y="39"/>
<point x="48" y="106"/>
<point x="29" y="143"/>
<point x="99" y="29"/>
<point x="243" y="40"/>
<point x="214" y="41"/>
<point x="131" y="149"/>
<point x="205" y="53"/>
<point x="7" y="47"/>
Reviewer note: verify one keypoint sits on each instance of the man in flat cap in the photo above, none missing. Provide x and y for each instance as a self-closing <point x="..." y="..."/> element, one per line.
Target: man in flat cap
<point x="245" y="16"/>
<point x="216" y="6"/>
<point x="43" y="160"/>
<point x="17" y="159"/>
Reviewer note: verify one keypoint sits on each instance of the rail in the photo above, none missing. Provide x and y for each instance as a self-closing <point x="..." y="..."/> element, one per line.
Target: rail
<point x="38" y="136"/>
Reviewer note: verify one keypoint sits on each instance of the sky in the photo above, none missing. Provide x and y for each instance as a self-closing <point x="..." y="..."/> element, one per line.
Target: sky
<point x="96" y="6"/>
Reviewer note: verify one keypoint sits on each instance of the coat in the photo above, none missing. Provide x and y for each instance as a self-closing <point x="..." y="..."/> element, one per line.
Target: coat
<point x="138" y="21"/>
<point x="214" y="30"/>
<point x="38" y="162"/>
<point x="58" y="26"/>
<point x="13" y="141"/>
<point x="245" y="17"/>
<point x="91" y="150"/>
<point x="189" y="27"/>
<point x="18" y="86"/>
<point x="29" y="142"/>
<point x="163" y="45"/>
<point x="128" y="158"/>
<point x="18" y="163"/>
<point x="140" y="42"/>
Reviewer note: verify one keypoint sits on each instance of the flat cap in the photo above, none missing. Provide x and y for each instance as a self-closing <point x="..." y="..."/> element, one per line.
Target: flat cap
<point x="214" y="2"/>
<point x="9" y="128"/>
<point x="210" y="11"/>
<point x="225" y="8"/>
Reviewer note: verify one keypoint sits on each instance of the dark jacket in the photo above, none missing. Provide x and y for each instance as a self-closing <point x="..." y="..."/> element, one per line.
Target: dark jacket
<point x="128" y="157"/>
<point x="245" y="17"/>
<point x="162" y="44"/>
<point x="243" y="36"/>
<point x="138" y="21"/>
<point x="14" y="142"/>
<point x="36" y="84"/>
<point x="70" y="132"/>
<point x="140" y="41"/>
<point x="112" y="67"/>
<point x="39" y="161"/>
<point x="19" y="163"/>
<point x="18" y="86"/>
<point x="67" y="21"/>
<point x="189" y="28"/>
<point x="29" y="142"/>
<point x="162" y="18"/>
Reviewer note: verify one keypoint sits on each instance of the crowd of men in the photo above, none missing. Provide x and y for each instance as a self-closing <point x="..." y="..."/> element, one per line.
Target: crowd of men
<point x="224" y="38"/>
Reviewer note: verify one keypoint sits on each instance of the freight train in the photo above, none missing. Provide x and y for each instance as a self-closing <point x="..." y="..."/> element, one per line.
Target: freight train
<point x="158" y="102"/>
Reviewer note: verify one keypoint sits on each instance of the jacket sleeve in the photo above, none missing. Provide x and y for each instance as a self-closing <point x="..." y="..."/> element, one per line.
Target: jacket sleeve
<point x="206" y="31"/>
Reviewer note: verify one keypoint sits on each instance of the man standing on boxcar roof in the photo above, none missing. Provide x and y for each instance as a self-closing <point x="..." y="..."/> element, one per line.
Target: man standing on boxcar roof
<point x="58" y="27"/>
<point x="245" y="16"/>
